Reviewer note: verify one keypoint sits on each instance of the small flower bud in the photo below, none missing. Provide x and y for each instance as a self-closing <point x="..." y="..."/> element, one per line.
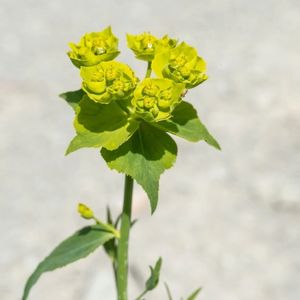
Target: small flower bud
<point x="85" y="211"/>
<point x="149" y="102"/>
<point x="178" y="61"/>
<point x="111" y="74"/>
<point x="166" y="94"/>
<point x="185" y="71"/>
<point x="150" y="89"/>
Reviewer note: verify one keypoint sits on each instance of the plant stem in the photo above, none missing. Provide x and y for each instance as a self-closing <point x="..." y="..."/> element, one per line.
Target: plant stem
<point x="148" y="72"/>
<point x="141" y="295"/>
<point x="122" y="253"/>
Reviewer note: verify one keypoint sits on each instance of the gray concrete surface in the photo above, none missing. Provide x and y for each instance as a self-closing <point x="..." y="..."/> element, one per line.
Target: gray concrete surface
<point x="227" y="221"/>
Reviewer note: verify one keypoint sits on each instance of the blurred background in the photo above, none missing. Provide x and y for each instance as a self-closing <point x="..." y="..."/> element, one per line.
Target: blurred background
<point x="226" y="221"/>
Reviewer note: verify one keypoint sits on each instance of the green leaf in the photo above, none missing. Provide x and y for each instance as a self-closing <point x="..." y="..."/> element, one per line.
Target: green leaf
<point x="73" y="98"/>
<point x="194" y="294"/>
<point x="101" y="125"/>
<point x="186" y="124"/>
<point x="144" y="157"/>
<point x="153" y="280"/>
<point x="77" y="246"/>
<point x="109" y="218"/>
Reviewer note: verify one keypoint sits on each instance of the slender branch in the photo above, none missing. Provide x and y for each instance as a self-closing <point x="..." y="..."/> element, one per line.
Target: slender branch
<point x="122" y="254"/>
<point x="109" y="227"/>
<point x="141" y="295"/>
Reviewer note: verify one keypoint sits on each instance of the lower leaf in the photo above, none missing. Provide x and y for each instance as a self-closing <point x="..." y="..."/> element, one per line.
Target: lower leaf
<point x="77" y="246"/>
<point x="153" y="279"/>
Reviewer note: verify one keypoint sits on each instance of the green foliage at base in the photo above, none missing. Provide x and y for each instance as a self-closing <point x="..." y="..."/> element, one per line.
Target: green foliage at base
<point x="77" y="246"/>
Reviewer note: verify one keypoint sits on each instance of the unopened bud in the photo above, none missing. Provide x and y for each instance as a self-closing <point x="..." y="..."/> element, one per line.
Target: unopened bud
<point x="85" y="211"/>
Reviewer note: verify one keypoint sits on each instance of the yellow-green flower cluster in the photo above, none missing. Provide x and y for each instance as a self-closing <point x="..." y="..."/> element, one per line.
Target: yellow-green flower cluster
<point x="181" y="64"/>
<point x="108" y="81"/>
<point x="145" y="46"/>
<point x="103" y="80"/>
<point x="155" y="99"/>
<point x="93" y="48"/>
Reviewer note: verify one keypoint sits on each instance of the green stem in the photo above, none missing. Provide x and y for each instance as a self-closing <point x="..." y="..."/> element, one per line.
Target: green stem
<point x="122" y="254"/>
<point x="122" y="249"/>
<point x="148" y="72"/>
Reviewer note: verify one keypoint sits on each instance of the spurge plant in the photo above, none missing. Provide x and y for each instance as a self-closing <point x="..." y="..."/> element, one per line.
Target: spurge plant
<point x="129" y="120"/>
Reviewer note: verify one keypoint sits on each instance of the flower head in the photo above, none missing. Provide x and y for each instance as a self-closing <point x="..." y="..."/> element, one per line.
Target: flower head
<point x="145" y="46"/>
<point x="155" y="99"/>
<point x="108" y="81"/>
<point x="93" y="48"/>
<point x="181" y="64"/>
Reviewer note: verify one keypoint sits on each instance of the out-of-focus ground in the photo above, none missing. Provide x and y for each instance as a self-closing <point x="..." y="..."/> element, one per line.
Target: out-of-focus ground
<point x="227" y="221"/>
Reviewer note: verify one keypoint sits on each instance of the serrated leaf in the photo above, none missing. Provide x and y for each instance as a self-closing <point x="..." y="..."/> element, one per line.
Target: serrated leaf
<point x="194" y="294"/>
<point x="153" y="280"/>
<point x="73" y="98"/>
<point x="144" y="157"/>
<point x="101" y="125"/>
<point x="77" y="246"/>
<point x="185" y="123"/>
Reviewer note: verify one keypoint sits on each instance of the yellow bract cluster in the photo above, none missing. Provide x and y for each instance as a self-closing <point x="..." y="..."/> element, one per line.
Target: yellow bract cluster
<point x="178" y="68"/>
<point x="108" y="81"/>
<point x="145" y="46"/>
<point x="155" y="99"/>
<point x="93" y="48"/>
<point x="181" y="64"/>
